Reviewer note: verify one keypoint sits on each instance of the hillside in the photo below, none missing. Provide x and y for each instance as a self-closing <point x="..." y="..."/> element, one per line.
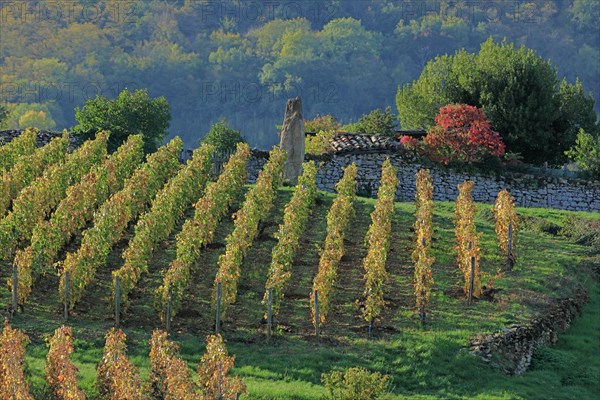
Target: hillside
<point x="424" y="362"/>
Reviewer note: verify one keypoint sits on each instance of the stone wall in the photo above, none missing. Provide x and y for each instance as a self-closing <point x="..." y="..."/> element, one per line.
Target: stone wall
<point x="43" y="137"/>
<point x="528" y="190"/>
<point x="512" y="349"/>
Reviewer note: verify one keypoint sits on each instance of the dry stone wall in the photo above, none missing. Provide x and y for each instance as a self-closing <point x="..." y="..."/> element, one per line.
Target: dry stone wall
<point x="512" y="348"/>
<point x="528" y="190"/>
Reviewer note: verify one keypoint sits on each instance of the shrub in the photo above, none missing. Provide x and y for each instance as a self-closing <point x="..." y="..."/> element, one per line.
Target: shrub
<point x="223" y="137"/>
<point x="586" y="153"/>
<point x="319" y="143"/>
<point x="462" y="134"/>
<point x="376" y="122"/>
<point x="356" y="384"/>
<point x="324" y="123"/>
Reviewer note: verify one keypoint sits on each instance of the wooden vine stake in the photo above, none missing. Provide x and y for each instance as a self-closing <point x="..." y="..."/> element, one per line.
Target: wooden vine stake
<point x="472" y="281"/>
<point x="15" y="286"/>
<point x="117" y="301"/>
<point x="509" y="245"/>
<point x="316" y="309"/>
<point x="169" y="307"/>
<point x="66" y="305"/>
<point x="218" y="307"/>
<point x="269" y="313"/>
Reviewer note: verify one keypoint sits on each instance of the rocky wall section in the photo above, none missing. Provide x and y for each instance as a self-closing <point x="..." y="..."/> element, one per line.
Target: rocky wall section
<point x="528" y="190"/>
<point x="511" y="350"/>
<point x="43" y="137"/>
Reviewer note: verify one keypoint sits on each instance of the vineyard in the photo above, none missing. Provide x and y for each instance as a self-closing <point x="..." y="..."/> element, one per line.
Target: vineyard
<point x="304" y="282"/>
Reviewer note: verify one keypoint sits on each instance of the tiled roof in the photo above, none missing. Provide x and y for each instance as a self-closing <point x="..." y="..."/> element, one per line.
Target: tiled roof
<point x="350" y="142"/>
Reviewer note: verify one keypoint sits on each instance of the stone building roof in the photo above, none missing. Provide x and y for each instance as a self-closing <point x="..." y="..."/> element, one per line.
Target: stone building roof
<point x="356" y="142"/>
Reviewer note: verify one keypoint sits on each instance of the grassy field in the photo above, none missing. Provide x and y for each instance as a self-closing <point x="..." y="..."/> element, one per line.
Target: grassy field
<point x="430" y="362"/>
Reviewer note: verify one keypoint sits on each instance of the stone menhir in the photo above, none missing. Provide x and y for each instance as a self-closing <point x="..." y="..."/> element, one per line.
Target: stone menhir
<point x="292" y="139"/>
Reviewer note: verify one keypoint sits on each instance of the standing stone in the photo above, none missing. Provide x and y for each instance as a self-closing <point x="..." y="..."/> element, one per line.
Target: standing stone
<point x="292" y="139"/>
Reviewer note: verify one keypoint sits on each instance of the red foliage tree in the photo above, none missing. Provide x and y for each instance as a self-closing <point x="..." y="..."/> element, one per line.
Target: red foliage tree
<point x="462" y="133"/>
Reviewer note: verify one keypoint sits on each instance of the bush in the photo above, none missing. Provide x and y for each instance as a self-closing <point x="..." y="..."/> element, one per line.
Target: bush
<point x="462" y="134"/>
<point x="223" y="137"/>
<point x="586" y="153"/>
<point x="130" y="113"/>
<point x="356" y="384"/>
<point x="376" y="122"/>
<point x="324" y="123"/>
<point x="319" y="143"/>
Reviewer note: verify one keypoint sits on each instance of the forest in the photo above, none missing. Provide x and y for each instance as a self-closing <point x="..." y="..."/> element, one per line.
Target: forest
<point x="242" y="59"/>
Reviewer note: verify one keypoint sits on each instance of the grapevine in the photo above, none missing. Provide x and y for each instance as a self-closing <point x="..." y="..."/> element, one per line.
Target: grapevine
<point x="29" y="167"/>
<point x="74" y="211"/>
<point x="378" y="240"/>
<point x="338" y="219"/>
<point x="200" y="230"/>
<point x="170" y="378"/>
<point x="22" y="145"/>
<point x="467" y="238"/>
<point x="256" y="207"/>
<point x="213" y="372"/>
<point x="111" y="219"/>
<point x="12" y="359"/>
<point x="166" y="211"/>
<point x="294" y="223"/>
<point x="117" y="376"/>
<point x="37" y="200"/>
<point x="423" y="228"/>
<point x="505" y="213"/>
<point x="61" y="373"/>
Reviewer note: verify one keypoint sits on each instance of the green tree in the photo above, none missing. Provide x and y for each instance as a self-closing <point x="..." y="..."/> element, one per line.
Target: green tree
<point x="129" y="114"/>
<point x="223" y="137"/>
<point x="36" y="119"/>
<point x="586" y="152"/>
<point x="377" y="122"/>
<point x="517" y="90"/>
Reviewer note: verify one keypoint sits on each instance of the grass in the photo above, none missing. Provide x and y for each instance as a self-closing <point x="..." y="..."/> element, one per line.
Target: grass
<point x="430" y="362"/>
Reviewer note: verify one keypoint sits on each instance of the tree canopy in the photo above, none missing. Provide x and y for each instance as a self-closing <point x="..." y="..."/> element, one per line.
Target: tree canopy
<point x="243" y="59"/>
<point x="517" y="90"/>
<point x="129" y="114"/>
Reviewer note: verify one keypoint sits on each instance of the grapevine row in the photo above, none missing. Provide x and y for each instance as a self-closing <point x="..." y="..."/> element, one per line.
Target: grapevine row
<point x="22" y="145"/>
<point x="421" y="256"/>
<point x="467" y="238"/>
<point x="294" y="223"/>
<point x="118" y="378"/>
<point x="170" y="377"/>
<point x="199" y="231"/>
<point x="37" y="200"/>
<point x="505" y="213"/>
<point x="338" y="219"/>
<point x="74" y="211"/>
<point x="12" y="360"/>
<point x="167" y="210"/>
<point x="378" y="240"/>
<point x="30" y="167"/>
<point x="256" y="207"/>
<point x="61" y="373"/>
<point x="111" y="219"/>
